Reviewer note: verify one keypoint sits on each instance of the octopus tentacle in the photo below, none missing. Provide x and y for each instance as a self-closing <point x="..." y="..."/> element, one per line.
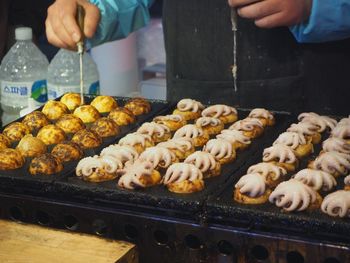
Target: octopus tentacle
<point x="337" y="204"/>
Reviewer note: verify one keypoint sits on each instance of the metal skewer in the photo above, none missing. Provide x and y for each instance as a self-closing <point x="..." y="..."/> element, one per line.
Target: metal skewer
<point x="80" y="47"/>
<point x="234" y="29"/>
<point x="234" y="19"/>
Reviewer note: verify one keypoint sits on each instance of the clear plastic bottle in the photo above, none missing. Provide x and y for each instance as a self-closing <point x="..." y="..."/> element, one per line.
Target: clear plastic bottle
<point x="23" y="74"/>
<point x="64" y="74"/>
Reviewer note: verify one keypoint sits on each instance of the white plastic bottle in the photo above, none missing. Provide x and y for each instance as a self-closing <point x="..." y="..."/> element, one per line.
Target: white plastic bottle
<point x="64" y="74"/>
<point x="23" y="74"/>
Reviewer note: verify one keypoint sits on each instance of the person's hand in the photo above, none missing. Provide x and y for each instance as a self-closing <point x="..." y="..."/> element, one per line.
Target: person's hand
<point x="273" y="13"/>
<point x="62" y="29"/>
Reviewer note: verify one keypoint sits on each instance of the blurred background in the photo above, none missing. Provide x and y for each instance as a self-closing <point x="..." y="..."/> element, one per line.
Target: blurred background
<point x="130" y="67"/>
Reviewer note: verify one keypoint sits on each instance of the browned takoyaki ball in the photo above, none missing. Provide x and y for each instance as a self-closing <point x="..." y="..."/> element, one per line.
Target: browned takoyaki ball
<point x="54" y="109"/>
<point x="104" y="103"/>
<point x="105" y="127"/>
<point x="71" y="100"/>
<point x="138" y="106"/>
<point x="31" y="146"/>
<point x="51" y="134"/>
<point x="16" y="131"/>
<point x="35" y="120"/>
<point x="45" y="164"/>
<point x="67" y="151"/>
<point x="122" y="116"/>
<point x="87" y="113"/>
<point x="10" y="159"/>
<point x="87" y="138"/>
<point x="5" y="142"/>
<point x="70" y="123"/>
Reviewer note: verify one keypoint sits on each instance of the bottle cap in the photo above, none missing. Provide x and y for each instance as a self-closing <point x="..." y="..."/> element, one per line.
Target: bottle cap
<point x="23" y="33"/>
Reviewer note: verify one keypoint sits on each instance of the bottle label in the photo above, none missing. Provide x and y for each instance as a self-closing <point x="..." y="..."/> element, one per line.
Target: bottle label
<point x="39" y="92"/>
<point x="55" y="91"/>
<point x="94" y="88"/>
<point x="15" y="94"/>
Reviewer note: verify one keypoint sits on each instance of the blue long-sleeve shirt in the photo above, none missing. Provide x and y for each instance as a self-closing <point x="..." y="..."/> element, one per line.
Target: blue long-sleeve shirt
<point x="119" y="18"/>
<point x="329" y="20"/>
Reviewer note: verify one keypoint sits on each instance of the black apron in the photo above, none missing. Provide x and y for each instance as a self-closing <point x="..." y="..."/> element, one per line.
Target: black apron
<point x="3" y="26"/>
<point x="274" y="71"/>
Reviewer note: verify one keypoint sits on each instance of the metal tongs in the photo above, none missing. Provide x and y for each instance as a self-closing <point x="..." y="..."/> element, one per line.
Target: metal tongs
<point x="81" y="49"/>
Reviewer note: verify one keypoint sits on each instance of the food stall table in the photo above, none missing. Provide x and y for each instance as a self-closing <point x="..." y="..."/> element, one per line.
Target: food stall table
<point x="29" y="243"/>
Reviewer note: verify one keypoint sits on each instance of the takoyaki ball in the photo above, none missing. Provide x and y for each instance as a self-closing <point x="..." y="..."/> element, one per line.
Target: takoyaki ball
<point x="31" y="146"/>
<point x="104" y="103"/>
<point x="5" y="142"/>
<point x="54" y="109"/>
<point x="87" y="138"/>
<point x="10" y="159"/>
<point x="51" y="134"/>
<point x="2" y="146"/>
<point x="87" y="113"/>
<point x="35" y="120"/>
<point x="189" y="109"/>
<point x="67" y="151"/>
<point x="70" y="123"/>
<point x="16" y="131"/>
<point x="138" y="106"/>
<point x="122" y="116"/>
<point x="105" y="127"/>
<point x="71" y="100"/>
<point x="173" y="122"/>
<point x="45" y="164"/>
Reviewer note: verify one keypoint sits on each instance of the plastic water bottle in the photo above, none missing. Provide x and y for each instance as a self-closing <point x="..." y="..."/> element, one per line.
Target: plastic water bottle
<point x="64" y="74"/>
<point x="23" y="74"/>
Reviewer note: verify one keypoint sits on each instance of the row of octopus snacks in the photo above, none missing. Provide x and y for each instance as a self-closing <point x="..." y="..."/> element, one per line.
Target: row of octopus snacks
<point x="68" y="128"/>
<point x="269" y="180"/>
<point x="179" y="150"/>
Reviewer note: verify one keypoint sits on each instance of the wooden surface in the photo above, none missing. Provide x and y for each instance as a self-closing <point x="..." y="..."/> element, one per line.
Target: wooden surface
<point x="21" y="243"/>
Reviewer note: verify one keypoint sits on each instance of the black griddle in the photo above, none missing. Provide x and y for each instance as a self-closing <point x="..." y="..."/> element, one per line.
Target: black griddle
<point x="206" y="226"/>
<point x="21" y="181"/>
<point x="222" y="209"/>
<point x="158" y="199"/>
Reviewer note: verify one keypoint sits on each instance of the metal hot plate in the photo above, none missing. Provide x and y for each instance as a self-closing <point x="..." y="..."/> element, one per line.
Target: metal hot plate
<point x="21" y="181"/>
<point x="157" y="199"/>
<point x="223" y="210"/>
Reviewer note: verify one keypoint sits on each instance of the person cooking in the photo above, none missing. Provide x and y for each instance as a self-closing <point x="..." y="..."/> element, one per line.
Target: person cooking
<point x="105" y="20"/>
<point x="310" y="20"/>
<point x="274" y="71"/>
